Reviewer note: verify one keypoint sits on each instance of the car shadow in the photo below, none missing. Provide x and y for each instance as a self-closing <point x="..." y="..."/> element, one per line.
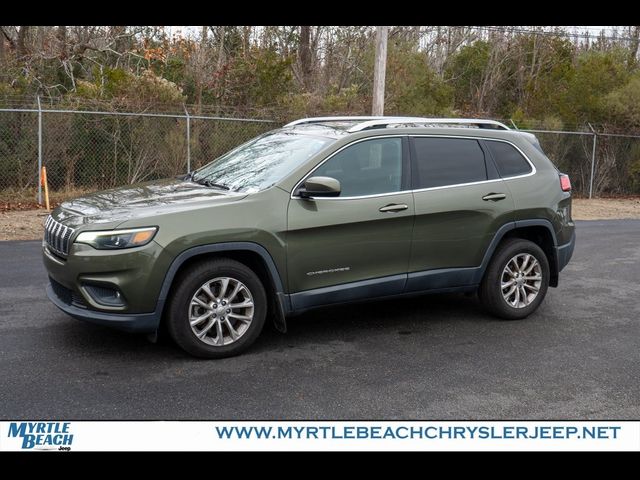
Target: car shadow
<point x="402" y="316"/>
<point x="348" y="322"/>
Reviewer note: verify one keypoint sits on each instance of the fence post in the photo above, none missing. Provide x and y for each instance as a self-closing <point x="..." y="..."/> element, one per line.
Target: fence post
<point x="39" y="151"/>
<point x="188" y="138"/>
<point x="593" y="160"/>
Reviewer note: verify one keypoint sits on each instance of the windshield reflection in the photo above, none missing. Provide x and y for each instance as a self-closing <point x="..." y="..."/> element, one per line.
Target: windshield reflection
<point x="260" y="163"/>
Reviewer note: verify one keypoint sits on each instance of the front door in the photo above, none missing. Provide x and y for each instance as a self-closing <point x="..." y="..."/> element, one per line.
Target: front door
<point x="362" y="235"/>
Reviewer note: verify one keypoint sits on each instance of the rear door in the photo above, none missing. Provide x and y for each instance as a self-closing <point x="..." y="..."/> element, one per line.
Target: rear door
<point x="460" y="203"/>
<point x="365" y="233"/>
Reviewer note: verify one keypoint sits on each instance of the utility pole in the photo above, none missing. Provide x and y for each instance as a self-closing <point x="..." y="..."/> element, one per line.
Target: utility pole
<point x="379" y="70"/>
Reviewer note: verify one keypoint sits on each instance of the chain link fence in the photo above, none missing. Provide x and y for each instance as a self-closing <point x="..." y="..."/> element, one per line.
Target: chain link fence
<point x="598" y="163"/>
<point x="18" y="152"/>
<point x="90" y="150"/>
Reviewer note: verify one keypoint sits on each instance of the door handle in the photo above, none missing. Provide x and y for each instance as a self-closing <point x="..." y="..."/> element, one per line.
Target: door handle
<point x="394" y="207"/>
<point x="494" y="196"/>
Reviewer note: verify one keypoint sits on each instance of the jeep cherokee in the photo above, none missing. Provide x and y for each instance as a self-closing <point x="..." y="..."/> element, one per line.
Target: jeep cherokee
<point x="322" y="211"/>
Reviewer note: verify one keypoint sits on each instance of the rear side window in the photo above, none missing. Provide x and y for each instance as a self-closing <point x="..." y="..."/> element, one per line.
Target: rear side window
<point x="448" y="161"/>
<point x="509" y="160"/>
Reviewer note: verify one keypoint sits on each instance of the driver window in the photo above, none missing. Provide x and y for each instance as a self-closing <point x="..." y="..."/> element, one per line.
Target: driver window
<point x="370" y="167"/>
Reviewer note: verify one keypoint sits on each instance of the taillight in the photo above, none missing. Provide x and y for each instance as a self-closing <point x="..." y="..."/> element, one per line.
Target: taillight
<point x="565" y="183"/>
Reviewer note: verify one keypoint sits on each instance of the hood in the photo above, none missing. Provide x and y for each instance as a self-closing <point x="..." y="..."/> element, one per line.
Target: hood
<point x="139" y="201"/>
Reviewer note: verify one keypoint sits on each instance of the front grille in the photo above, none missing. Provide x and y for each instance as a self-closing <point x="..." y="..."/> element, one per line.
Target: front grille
<point x="57" y="236"/>
<point x="67" y="295"/>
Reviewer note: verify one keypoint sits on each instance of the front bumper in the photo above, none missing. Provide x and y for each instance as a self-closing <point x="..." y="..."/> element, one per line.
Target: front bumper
<point x="131" y="322"/>
<point x="137" y="273"/>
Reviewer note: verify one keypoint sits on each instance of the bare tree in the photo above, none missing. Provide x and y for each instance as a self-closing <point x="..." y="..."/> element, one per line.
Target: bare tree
<point x="61" y="37"/>
<point x="21" y="41"/>
<point x="634" y="35"/>
<point x="304" y="55"/>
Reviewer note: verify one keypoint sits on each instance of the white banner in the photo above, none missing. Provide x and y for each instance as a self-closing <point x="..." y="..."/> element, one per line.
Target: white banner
<point x="319" y="435"/>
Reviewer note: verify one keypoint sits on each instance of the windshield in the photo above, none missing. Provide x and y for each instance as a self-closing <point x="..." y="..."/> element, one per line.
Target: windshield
<point x="261" y="162"/>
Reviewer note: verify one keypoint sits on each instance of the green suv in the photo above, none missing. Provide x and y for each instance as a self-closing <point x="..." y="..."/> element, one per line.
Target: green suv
<point x="321" y="211"/>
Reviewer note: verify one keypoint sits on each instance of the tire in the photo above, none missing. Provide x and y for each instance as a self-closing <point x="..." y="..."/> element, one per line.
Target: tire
<point x="491" y="287"/>
<point x="190" y="301"/>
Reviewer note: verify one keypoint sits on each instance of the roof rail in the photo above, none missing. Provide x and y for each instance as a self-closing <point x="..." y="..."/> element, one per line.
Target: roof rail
<point x="333" y="119"/>
<point x="383" y="121"/>
<point x="364" y="122"/>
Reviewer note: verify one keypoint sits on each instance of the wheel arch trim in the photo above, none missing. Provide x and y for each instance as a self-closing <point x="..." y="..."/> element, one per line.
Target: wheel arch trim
<point x="218" y="248"/>
<point x="502" y="231"/>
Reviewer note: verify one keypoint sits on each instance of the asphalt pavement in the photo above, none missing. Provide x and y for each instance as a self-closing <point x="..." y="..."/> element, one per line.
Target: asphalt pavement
<point x="434" y="357"/>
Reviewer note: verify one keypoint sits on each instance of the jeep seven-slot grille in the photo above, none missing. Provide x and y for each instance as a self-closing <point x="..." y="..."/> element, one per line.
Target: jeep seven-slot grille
<point x="57" y="236"/>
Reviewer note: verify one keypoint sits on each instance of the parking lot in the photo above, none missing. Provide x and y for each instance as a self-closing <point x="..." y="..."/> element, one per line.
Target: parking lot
<point x="435" y="357"/>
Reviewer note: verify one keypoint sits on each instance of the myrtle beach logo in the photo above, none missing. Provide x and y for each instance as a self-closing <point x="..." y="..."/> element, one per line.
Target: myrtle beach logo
<point x="42" y="435"/>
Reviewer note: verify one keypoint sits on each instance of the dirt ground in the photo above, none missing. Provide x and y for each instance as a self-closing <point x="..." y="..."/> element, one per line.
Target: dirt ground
<point x="27" y="224"/>
<point x="604" y="208"/>
<point x="22" y="224"/>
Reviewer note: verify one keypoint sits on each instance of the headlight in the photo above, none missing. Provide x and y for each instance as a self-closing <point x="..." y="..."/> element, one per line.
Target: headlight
<point x="115" y="239"/>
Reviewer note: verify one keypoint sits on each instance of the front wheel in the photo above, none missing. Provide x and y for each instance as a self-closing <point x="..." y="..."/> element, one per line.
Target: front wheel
<point x="218" y="309"/>
<point x="516" y="280"/>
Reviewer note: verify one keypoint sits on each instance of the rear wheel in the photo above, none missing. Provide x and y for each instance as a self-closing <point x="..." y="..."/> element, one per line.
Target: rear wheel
<point x="516" y="280"/>
<point x="218" y="309"/>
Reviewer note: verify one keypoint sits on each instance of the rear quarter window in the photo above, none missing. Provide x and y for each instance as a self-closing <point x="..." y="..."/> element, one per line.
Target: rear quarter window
<point x="508" y="159"/>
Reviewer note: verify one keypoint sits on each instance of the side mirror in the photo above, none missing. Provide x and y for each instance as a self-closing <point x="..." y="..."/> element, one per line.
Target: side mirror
<point x="320" y="187"/>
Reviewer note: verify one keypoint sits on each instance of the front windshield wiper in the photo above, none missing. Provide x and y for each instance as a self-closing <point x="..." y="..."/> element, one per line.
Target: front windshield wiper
<point x="209" y="183"/>
<point x="185" y="176"/>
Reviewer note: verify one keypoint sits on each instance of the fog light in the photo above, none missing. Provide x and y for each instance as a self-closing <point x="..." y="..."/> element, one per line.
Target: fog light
<point x="107" y="296"/>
